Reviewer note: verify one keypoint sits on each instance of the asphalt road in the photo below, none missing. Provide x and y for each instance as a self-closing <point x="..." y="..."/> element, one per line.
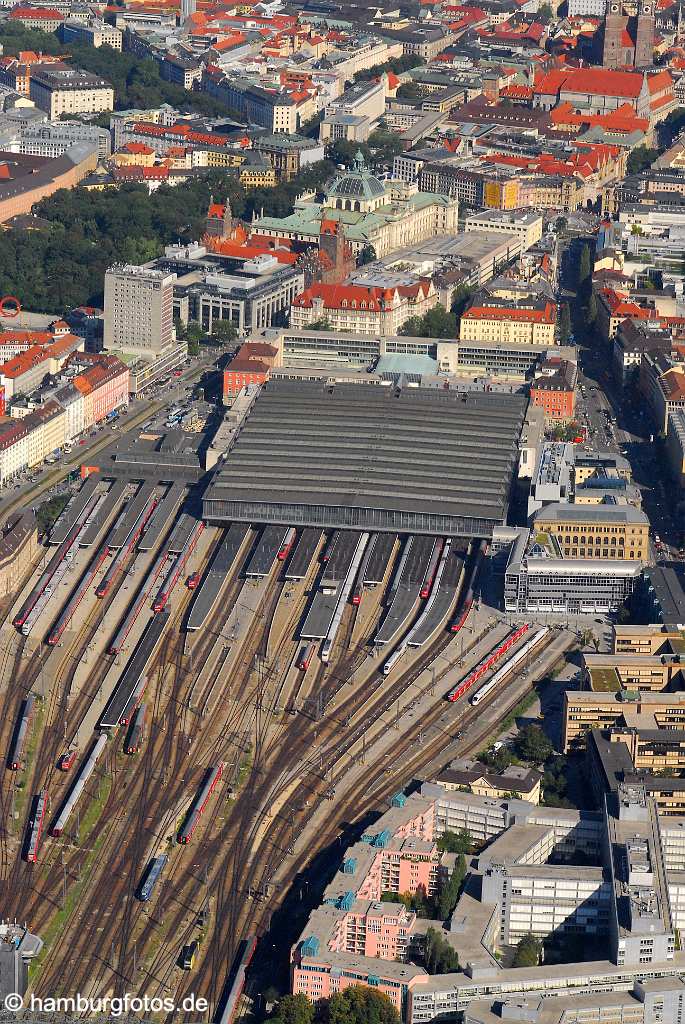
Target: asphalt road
<point x="629" y="434"/>
<point x="37" y="485"/>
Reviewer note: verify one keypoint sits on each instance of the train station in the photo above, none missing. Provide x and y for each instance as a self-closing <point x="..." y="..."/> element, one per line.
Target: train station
<point x="375" y="458"/>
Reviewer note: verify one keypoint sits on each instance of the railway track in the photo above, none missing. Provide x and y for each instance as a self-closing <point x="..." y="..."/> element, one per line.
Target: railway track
<point x="128" y="946"/>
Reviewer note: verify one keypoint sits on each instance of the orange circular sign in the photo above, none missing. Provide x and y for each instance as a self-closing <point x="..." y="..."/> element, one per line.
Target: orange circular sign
<point x="13" y="310"/>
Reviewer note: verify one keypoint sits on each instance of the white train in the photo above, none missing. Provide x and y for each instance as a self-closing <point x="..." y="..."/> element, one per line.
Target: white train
<point x="510" y="665"/>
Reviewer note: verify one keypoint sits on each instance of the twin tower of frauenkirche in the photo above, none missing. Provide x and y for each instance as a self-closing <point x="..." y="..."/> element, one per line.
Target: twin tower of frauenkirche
<point x="627" y="38"/>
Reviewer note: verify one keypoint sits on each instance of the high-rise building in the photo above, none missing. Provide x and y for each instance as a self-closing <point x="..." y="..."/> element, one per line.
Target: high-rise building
<point x="188" y="7"/>
<point x="138" y="309"/>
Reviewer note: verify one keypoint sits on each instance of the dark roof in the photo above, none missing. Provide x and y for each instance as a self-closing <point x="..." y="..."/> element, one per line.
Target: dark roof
<point x="666" y="585"/>
<point x="364" y="456"/>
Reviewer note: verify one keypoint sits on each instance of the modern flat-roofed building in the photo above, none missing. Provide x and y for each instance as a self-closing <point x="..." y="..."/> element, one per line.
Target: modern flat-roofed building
<point x="539" y="579"/>
<point x="138" y="309"/>
<point x="525" y="224"/>
<point x="585" y="710"/>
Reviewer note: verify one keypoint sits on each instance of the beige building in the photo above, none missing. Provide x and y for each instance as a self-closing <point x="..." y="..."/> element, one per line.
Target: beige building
<point x="585" y="710"/>
<point x="510" y="324"/>
<point x="138" y="310"/>
<point x="526" y="225"/>
<point x="18" y="547"/>
<point x="596" y="531"/>
<point x="59" y="89"/>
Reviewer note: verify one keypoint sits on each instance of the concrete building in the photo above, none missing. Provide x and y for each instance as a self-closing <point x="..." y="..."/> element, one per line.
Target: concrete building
<point x="18" y="548"/>
<point x="626" y="898"/>
<point x="586" y="710"/>
<point x="675" y="445"/>
<point x="525" y="224"/>
<point x="539" y="579"/>
<point x="98" y="33"/>
<point x="138" y="310"/>
<point x="288" y="154"/>
<point x="54" y="138"/>
<point x="552" y="480"/>
<point x="252" y="293"/>
<point x="59" y="89"/>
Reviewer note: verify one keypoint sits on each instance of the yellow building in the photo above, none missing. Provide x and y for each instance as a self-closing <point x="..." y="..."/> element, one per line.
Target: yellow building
<point x="652" y="639"/>
<point x="501" y="195"/>
<point x="646" y="673"/>
<point x="257" y="177"/>
<point x="597" y="531"/>
<point x="503" y="324"/>
<point x="138" y="154"/>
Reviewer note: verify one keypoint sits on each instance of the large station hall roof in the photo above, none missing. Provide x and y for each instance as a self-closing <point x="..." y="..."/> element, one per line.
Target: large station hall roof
<point x="368" y="457"/>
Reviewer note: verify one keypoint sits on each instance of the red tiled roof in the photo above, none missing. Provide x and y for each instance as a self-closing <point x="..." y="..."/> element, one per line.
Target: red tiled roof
<point x="37" y="13"/>
<point x="594" y="81"/>
<point x="542" y="316"/>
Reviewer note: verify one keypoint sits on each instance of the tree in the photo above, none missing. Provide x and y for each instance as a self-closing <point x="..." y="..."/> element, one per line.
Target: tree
<point x="343" y="152"/>
<point x="224" y="331"/>
<point x="497" y="760"/>
<point x="455" y="842"/>
<point x="322" y="324"/>
<point x="436" y="323"/>
<point x="461" y="297"/>
<point x="528" y="952"/>
<point x="544" y="14"/>
<point x="641" y="158"/>
<point x="359" y="1004"/>
<point x="564" y="323"/>
<point x="584" y="268"/>
<point x="560" y="225"/>
<point x="440" y="957"/>
<point x="384" y="145"/>
<point x="367" y="254"/>
<point x="533" y="745"/>
<point x="193" y="348"/>
<point x="194" y="332"/>
<point x="410" y="91"/>
<point x="591" y="309"/>
<point x="398" y="65"/>
<point x="294" y="1010"/>
<point x="449" y="890"/>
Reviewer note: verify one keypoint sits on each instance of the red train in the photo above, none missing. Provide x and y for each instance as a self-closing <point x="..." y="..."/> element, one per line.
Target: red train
<point x="235" y="990"/>
<point x="430" y="571"/>
<point x="193" y="580"/>
<point x="211" y="781"/>
<point x="357" y="594"/>
<point x="463" y="615"/>
<point x="487" y="663"/>
<point x="287" y="545"/>
<point x="305" y="657"/>
<point x="66" y="761"/>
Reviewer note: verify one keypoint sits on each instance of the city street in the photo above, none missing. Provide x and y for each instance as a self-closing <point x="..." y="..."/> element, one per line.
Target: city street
<point x="620" y="424"/>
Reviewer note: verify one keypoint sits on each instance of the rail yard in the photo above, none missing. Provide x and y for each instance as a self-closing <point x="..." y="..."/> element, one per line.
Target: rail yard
<point x="191" y="708"/>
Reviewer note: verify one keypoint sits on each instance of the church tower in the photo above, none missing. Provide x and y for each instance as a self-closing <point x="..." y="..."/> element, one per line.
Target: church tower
<point x="644" y="35"/>
<point x="614" y="24"/>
